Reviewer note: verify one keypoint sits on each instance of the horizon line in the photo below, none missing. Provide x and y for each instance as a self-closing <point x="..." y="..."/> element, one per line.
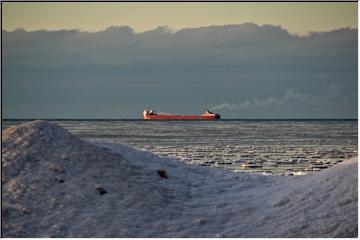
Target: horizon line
<point x="140" y="119"/>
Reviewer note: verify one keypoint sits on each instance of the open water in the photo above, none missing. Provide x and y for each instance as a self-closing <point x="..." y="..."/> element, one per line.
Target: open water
<point x="281" y="147"/>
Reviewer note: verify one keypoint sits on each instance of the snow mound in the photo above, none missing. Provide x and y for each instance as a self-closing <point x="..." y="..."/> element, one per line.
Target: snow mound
<point x="53" y="181"/>
<point x="56" y="185"/>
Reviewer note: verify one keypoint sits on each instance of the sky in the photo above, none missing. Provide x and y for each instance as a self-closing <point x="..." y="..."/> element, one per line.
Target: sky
<point x="295" y="17"/>
<point x="243" y="60"/>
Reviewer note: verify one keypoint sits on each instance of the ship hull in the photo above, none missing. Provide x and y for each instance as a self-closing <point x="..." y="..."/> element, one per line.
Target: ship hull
<point x="180" y="117"/>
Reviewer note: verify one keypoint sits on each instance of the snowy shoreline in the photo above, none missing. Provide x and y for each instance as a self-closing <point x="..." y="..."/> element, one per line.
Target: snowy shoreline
<point x="56" y="185"/>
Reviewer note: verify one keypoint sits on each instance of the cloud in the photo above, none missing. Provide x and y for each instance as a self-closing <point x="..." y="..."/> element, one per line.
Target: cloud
<point x="336" y="89"/>
<point x="118" y="72"/>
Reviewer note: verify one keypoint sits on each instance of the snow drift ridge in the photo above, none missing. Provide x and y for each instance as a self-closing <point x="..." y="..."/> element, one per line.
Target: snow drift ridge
<point x="56" y="185"/>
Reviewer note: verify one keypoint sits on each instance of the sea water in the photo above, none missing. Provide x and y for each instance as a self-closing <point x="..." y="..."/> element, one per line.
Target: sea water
<point x="281" y="147"/>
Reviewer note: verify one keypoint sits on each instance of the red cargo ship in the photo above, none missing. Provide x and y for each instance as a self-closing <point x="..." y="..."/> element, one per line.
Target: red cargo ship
<point x="152" y="115"/>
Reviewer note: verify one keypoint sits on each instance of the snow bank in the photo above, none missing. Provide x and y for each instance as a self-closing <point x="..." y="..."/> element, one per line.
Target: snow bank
<point x="56" y="185"/>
